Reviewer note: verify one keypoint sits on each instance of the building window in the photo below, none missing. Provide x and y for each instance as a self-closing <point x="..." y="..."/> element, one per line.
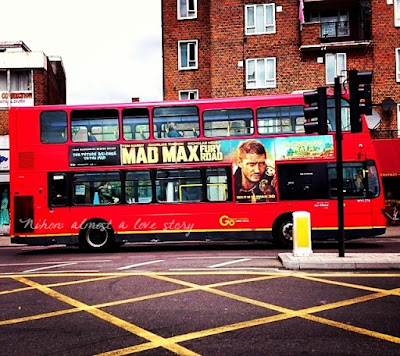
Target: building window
<point x="398" y="120"/>
<point x="333" y="23"/>
<point x="20" y="80"/>
<point x="188" y="94"/>
<point x="188" y="54"/>
<point x="261" y="73"/>
<point x="187" y="9"/>
<point x="260" y="19"/>
<point x="397" y="13"/>
<point x="335" y="66"/>
<point x="3" y="81"/>
<point x="397" y="64"/>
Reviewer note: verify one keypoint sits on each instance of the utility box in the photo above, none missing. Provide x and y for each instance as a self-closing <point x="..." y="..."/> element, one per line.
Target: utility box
<point x="302" y="234"/>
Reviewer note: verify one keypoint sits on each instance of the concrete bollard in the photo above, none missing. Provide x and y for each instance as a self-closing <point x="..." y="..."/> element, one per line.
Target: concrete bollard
<point x="302" y="234"/>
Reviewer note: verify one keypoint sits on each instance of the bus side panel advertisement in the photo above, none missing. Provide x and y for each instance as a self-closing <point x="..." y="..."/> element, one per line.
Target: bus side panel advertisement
<point x="253" y="160"/>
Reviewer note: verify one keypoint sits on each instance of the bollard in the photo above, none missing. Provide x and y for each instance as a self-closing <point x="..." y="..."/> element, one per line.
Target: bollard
<point x="302" y="234"/>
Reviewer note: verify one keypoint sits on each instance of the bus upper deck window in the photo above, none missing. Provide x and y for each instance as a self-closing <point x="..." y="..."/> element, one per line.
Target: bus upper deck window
<point x="280" y="119"/>
<point x="176" y="122"/>
<point x="135" y="124"/>
<point x="228" y="122"/>
<point x="53" y="127"/>
<point x="94" y="125"/>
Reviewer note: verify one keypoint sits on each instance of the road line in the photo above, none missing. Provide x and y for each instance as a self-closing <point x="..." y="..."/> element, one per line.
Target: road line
<point x="49" y="263"/>
<point x="139" y="264"/>
<point x="229" y="263"/>
<point x="226" y="257"/>
<point x="49" y="267"/>
<point x="156" y="340"/>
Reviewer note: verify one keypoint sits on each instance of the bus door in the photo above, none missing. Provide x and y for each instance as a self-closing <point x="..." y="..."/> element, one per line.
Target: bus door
<point x="360" y="187"/>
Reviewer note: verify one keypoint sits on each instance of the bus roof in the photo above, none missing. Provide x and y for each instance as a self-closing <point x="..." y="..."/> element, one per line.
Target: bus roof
<point x="290" y="99"/>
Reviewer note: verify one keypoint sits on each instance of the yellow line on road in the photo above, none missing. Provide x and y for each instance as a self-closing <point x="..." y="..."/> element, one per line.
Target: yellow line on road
<point x="157" y="340"/>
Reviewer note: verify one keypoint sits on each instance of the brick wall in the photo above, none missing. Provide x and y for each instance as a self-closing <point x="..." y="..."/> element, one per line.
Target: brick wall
<point x="174" y="31"/>
<point x="3" y="122"/>
<point x="385" y="38"/>
<point x="223" y="45"/>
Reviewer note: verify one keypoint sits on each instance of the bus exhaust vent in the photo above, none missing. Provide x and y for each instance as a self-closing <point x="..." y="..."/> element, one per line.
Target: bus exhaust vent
<point x="25" y="160"/>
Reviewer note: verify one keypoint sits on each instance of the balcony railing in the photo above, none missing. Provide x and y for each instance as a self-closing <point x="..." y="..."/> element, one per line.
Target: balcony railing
<point x="340" y="34"/>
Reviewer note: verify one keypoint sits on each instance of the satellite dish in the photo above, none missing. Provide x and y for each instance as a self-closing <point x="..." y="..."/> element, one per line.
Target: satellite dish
<point x="388" y="104"/>
<point x="374" y="120"/>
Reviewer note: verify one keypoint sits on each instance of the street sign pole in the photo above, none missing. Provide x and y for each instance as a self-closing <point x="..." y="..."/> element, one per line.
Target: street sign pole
<point x="339" y="164"/>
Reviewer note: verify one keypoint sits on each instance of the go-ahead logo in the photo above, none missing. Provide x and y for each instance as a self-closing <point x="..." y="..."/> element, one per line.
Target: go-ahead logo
<point x="225" y="220"/>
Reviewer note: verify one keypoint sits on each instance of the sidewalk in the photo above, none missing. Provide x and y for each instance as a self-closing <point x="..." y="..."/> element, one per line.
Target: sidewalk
<point x="350" y="261"/>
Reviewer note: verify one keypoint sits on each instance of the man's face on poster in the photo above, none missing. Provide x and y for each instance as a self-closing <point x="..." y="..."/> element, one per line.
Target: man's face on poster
<point x="253" y="166"/>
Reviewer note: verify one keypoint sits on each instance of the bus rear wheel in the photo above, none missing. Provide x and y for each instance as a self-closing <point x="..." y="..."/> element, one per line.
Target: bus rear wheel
<point x="97" y="235"/>
<point x="282" y="231"/>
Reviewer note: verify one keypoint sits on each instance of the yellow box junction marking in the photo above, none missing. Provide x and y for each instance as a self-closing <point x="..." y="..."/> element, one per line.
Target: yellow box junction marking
<point x="172" y="343"/>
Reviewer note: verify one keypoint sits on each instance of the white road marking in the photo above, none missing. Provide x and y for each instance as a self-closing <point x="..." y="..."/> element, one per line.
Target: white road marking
<point x="49" y="263"/>
<point x="139" y="264"/>
<point x="226" y="257"/>
<point x="49" y="267"/>
<point x="229" y="263"/>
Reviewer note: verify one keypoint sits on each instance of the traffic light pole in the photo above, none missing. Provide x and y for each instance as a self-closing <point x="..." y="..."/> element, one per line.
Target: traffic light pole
<point x="339" y="164"/>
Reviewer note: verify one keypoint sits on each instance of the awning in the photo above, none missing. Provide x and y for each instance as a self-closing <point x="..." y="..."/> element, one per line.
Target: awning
<point x="388" y="152"/>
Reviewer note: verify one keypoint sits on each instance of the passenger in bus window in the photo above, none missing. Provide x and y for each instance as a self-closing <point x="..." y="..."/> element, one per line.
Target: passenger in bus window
<point x="172" y="131"/>
<point x="252" y="182"/>
<point x="106" y="194"/>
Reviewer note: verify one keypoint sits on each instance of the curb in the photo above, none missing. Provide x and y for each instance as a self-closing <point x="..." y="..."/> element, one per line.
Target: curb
<point x="351" y="261"/>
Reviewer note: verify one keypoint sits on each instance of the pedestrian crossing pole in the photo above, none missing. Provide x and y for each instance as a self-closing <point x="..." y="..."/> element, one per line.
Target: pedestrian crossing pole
<point x="339" y="164"/>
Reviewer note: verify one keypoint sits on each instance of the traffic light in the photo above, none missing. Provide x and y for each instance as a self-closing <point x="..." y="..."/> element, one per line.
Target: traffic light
<point x="360" y="97"/>
<point x="317" y="109"/>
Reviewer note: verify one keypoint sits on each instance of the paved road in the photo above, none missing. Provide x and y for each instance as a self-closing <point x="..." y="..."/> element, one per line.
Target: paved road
<point x="200" y="313"/>
<point x="219" y="299"/>
<point x="168" y="257"/>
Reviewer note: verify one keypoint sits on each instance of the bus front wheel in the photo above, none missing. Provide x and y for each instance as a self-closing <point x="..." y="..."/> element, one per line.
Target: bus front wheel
<point x="97" y="235"/>
<point x="283" y="231"/>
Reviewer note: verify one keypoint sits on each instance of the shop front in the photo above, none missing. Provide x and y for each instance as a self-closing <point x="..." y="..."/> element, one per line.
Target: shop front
<point x="388" y="152"/>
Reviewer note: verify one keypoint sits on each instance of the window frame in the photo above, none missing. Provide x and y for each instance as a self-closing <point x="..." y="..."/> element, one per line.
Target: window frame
<point x="396" y="5"/>
<point x="194" y="60"/>
<point x="337" y="71"/>
<point x="94" y="118"/>
<point x="129" y="116"/>
<point x="190" y="13"/>
<point x="257" y="85"/>
<point x="175" y="115"/>
<point x="195" y="92"/>
<point x="397" y="53"/>
<point x="93" y="186"/>
<point x="266" y="24"/>
<point x="63" y="134"/>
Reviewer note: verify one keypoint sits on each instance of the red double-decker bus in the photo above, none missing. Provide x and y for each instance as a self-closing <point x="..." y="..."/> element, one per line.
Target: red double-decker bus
<point x="217" y="169"/>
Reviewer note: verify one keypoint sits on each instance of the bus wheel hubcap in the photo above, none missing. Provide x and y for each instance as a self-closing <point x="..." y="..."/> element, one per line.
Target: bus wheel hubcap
<point x="96" y="237"/>
<point x="287" y="230"/>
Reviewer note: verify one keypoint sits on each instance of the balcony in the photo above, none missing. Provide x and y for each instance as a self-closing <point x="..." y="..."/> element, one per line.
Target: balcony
<point x="335" y="29"/>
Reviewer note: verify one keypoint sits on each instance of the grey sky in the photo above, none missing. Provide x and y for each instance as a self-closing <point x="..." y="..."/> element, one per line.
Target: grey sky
<point x="111" y="50"/>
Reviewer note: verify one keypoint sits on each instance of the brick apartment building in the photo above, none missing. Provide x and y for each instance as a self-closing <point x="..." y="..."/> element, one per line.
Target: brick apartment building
<point x="219" y="48"/>
<point x="26" y="78"/>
